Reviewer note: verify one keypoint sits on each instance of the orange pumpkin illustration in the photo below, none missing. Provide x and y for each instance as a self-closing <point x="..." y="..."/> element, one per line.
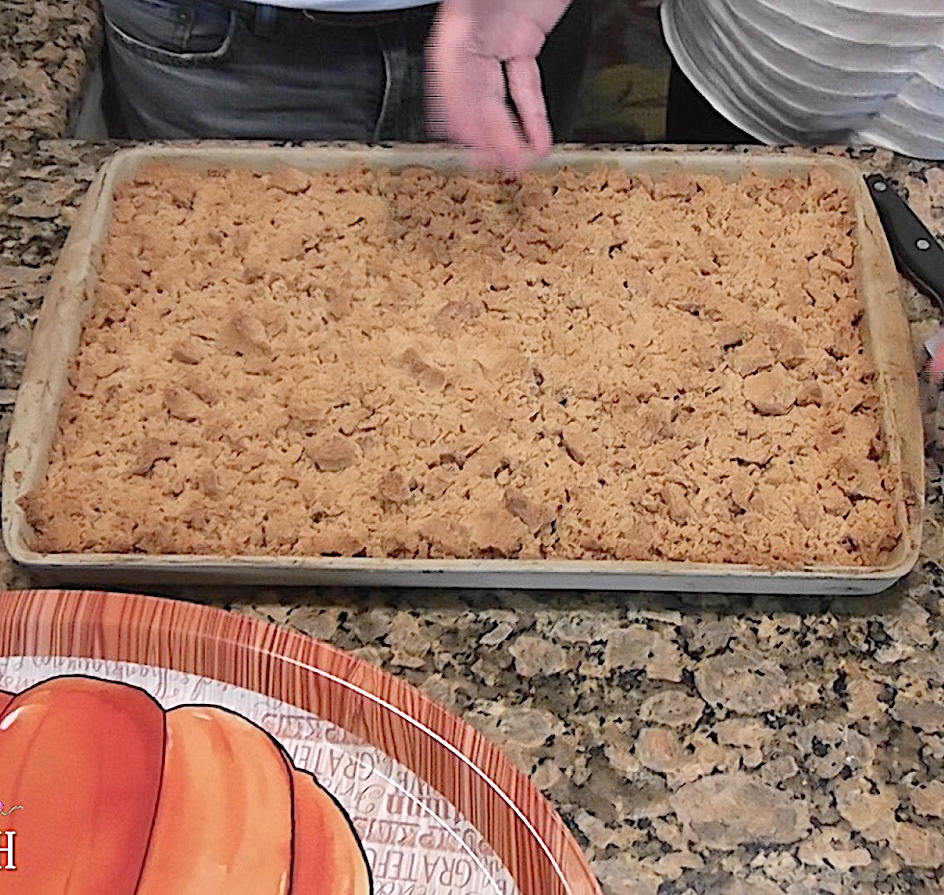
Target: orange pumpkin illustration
<point x="121" y="797"/>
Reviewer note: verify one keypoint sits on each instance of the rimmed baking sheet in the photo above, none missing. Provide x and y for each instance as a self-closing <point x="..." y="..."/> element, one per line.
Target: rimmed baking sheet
<point x="71" y="295"/>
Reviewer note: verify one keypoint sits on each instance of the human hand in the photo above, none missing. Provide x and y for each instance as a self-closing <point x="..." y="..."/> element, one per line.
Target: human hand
<point x="474" y="46"/>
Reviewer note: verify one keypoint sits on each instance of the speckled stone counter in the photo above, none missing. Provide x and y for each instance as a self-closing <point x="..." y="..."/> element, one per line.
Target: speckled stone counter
<point x="693" y="743"/>
<point x="46" y="48"/>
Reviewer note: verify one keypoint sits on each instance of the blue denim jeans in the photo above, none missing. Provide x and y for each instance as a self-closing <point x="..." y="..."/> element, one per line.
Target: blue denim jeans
<point x="228" y="69"/>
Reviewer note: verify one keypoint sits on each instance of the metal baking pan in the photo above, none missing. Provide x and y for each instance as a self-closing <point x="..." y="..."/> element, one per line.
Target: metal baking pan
<point x="72" y="291"/>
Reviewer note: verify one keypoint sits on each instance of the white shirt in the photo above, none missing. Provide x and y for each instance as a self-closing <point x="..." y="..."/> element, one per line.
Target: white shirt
<point x="346" y="5"/>
<point x="818" y="71"/>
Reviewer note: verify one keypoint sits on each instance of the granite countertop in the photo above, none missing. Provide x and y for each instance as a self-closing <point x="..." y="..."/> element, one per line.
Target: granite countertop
<point x="693" y="743"/>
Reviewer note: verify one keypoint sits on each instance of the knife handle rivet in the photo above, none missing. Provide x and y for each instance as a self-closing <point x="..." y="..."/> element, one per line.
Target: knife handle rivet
<point x="923" y="245"/>
<point x="880" y="186"/>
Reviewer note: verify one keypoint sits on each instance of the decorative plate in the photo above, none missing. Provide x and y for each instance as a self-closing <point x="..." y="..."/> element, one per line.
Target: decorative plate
<point x="154" y="746"/>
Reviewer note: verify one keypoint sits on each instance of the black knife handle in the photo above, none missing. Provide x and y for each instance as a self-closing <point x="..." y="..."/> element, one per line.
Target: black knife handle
<point x="918" y="254"/>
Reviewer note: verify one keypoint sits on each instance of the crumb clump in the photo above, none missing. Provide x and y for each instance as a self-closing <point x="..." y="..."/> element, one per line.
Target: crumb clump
<point x="572" y="365"/>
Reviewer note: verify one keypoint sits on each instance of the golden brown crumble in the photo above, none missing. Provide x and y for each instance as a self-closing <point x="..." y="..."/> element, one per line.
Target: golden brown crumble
<point x="413" y="364"/>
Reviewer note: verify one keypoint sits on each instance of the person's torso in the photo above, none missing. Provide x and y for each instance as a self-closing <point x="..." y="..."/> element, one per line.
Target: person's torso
<point x="818" y="71"/>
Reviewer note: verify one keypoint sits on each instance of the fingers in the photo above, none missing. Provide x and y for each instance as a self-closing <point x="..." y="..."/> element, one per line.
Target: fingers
<point x="468" y="106"/>
<point x="524" y="84"/>
<point x="491" y="130"/>
<point x="467" y="101"/>
<point x="936" y="368"/>
<point x="471" y="110"/>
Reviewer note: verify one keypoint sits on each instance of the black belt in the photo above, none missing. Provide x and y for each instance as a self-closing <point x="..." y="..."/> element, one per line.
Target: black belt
<point x="260" y="12"/>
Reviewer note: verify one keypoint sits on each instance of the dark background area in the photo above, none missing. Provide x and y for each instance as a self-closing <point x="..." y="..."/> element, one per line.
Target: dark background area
<point x="622" y="97"/>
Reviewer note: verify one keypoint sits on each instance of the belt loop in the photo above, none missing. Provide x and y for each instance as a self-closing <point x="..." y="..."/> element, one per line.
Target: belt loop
<point x="263" y="24"/>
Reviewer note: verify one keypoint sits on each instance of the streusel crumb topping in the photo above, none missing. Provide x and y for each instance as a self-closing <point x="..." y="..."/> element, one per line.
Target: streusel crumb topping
<point x="414" y="364"/>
